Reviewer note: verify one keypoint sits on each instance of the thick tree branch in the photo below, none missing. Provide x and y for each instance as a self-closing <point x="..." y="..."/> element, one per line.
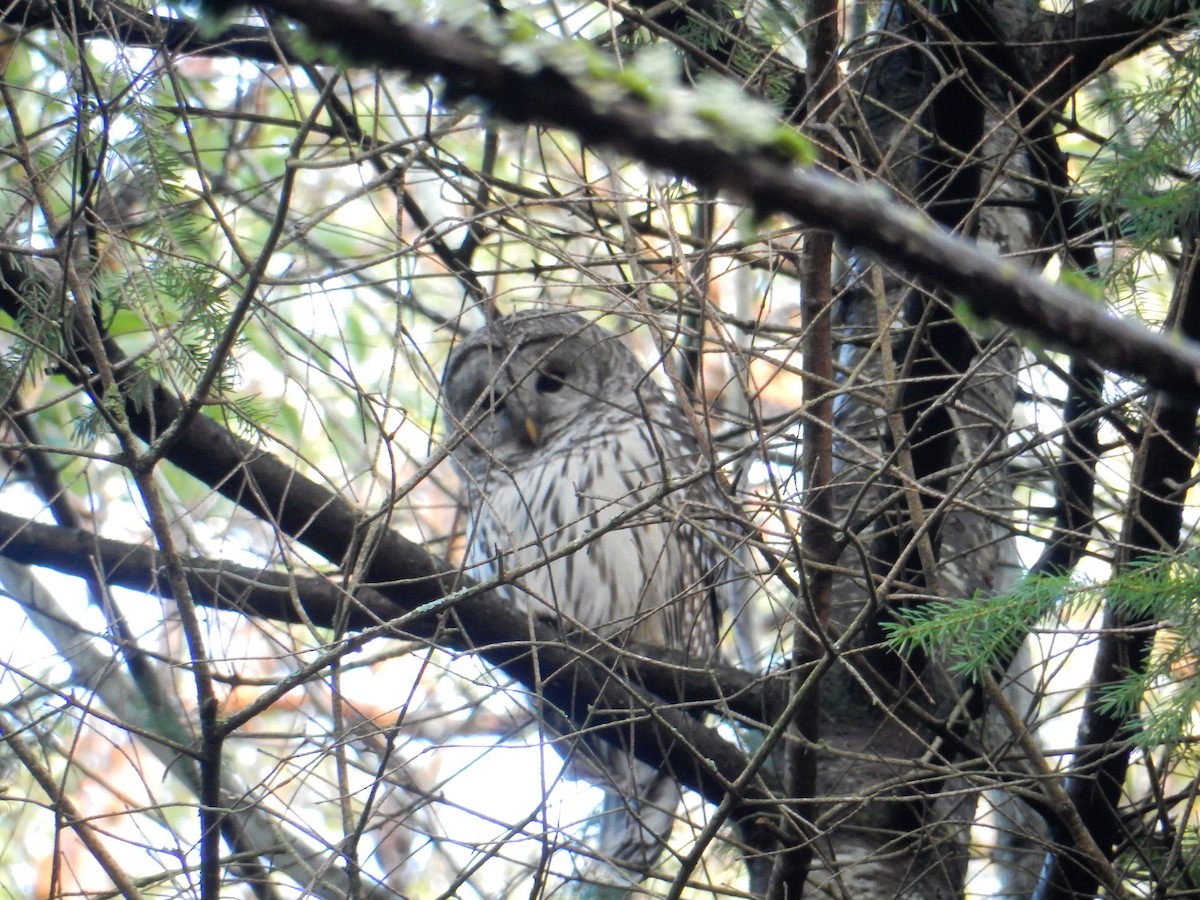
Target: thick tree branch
<point x="543" y="95"/>
<point x="284" y="597"/>
<point x="1152" y="525"/>
<point x="133" y="27"/>
<point x="428" y="591"/>
<point x="1105" y="31"/>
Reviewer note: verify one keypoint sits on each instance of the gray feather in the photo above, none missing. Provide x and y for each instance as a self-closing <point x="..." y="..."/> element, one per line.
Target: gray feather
<point x="572" y="459"/>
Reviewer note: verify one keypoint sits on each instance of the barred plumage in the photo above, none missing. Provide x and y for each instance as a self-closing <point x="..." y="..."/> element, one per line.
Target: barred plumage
<point x="571" y="459"/>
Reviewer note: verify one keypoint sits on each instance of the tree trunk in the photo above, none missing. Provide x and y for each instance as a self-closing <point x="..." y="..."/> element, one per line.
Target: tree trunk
<point x="922" y="458"/>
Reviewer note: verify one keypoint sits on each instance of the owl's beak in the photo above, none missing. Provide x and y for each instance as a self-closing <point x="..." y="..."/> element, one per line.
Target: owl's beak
<point x="531" y="430"/>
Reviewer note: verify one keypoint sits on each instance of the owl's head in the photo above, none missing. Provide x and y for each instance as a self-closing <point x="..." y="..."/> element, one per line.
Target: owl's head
<point x="523" y="381"/>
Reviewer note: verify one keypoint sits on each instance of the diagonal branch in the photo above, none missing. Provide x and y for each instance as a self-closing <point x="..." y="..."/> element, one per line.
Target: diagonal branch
<point x="541" y="94"/>
<point x="1152" y="524"/>
<point x="428" y="590"/>
<point x="250" y="828"/>
<point x="133" y="27"/>
<point x="282" y="596"/>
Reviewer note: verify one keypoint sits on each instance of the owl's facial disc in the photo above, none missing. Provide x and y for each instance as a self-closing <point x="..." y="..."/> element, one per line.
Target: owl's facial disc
<point x="555" y="384"/>
<point x="520" y="385"/>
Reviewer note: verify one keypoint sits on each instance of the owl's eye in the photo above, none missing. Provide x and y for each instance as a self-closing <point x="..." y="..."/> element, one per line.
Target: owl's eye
<point x="550" y="381"/>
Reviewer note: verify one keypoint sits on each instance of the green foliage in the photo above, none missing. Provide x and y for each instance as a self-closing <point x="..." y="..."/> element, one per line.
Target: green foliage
<point x="974" y="634"/>
<point x="1163" y="851"/>
<point x="1080" y="282"/>
<point x="1158" y="7"/>
<point x="1166" y="693"/>
<point x="1141" y="185"/>
<point x="88" y="426"/>
<point x="1163" y="594"/>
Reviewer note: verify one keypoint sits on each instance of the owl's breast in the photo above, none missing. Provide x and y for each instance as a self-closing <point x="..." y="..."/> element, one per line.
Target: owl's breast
<point x="578" y="530"/>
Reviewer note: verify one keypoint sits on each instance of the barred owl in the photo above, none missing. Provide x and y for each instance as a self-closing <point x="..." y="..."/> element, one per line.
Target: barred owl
<point x="564" y="434"/>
